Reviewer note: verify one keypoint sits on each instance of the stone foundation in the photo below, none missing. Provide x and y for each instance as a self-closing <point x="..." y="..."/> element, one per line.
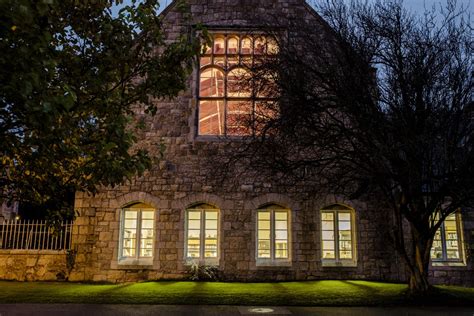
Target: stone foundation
<point x="32" y="265"/>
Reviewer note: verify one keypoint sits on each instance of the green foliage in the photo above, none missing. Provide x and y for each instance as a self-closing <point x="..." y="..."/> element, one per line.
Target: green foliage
<point x="71" y="76"/>
<point x="203" y="272"/>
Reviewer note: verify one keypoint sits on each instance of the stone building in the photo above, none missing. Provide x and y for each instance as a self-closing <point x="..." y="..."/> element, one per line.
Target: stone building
<point x="252" y="230"/>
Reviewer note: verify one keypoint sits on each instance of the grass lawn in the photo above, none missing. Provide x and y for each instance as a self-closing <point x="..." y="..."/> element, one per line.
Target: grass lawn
<point x="313" y="293"/>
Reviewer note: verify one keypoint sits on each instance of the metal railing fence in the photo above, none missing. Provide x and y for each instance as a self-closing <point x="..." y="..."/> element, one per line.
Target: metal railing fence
<point x="35" y="235"/>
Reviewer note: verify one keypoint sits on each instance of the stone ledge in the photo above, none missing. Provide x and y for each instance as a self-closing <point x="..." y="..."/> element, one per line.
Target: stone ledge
<point x="31" y="252"/>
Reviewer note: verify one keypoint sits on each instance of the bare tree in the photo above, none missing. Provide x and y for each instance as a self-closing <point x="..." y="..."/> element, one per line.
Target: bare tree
<point x="381" y="103"/>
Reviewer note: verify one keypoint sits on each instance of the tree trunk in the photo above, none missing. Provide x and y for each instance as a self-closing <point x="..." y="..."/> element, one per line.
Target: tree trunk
<point x="419" y="284"/>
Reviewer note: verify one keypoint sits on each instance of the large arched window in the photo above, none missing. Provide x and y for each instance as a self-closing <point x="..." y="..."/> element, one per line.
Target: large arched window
<point x="137" y="232"/>
<point x="338" y="235"/>
<point x="227" y="97"/>
<point x="202" y="233"/>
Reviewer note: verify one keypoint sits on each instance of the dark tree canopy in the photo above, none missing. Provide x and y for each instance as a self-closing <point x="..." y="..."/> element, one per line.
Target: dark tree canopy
<point x="381" y="105"/>
<point x="72" y="73"/>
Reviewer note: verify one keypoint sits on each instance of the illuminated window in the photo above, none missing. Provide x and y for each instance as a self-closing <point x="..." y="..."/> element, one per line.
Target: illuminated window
<point x="202" y="226"/>
<point x="337" y="234"/>
<point x="228" y="95"/>
<point x="137" y="232"/>
<point x="447" y="243"/>
<point x="272" y="233"/>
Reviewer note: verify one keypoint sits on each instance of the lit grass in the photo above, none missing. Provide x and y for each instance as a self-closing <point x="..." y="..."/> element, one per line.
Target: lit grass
<point x="314" y="293"/>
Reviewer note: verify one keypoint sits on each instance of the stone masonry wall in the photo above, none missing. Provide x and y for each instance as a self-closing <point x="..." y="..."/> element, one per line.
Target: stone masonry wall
<point x="181" y="179"/>
<point x="32" y="265"/>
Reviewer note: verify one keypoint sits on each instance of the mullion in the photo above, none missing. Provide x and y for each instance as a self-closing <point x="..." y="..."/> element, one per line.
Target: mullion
<point x="272" y="234"/>
<point x="336" y="235"/>
<point x="139" y="232"/>
<point x="443" y="242"/>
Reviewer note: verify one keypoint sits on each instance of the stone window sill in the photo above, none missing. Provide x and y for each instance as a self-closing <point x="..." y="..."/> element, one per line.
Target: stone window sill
<point x="135" y="262"/>
<point x="273" y="263"/>
<point x="447" y="264"/>
<point x="339" y="264"/>
<point x="202" y="262"/>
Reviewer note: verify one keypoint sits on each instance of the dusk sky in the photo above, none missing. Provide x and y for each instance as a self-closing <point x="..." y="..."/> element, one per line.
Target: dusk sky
<point x="416" y="5"/>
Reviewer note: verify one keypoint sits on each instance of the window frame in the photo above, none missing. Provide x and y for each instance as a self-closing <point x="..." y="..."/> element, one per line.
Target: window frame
<point x="273" y="261"/>
<point x="337" y="261"/>
<point x="137" y="259"/>
<point x="460" y="234"/>
<point x="241" y="35"/>
<point x="202" y="239"/>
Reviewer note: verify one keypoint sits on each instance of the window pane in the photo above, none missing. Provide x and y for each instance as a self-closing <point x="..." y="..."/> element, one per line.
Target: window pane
<point x="147" y="233"/>
<point x="272" y="46"/>
<point x="194" y="214"/>
<point x="328" y="235"/>
<point x="194" y="224"/>
<point x="344" y="216"/>
<point x="219" y="46"/>
<point x="328" y="254"/>
<point x="238" y="83"/>
<point x="130" y="223"/>
<point x="328" y="244"/>
<point x="194" y="234"/>
<point x="211" y="117"/>
<point x="281" y="216"/>
<point x="204" y="61"/>
<point x="437" y="248"/>
<point x="345" y="235"/>
<point x="205" y="49"/>
<point x="452" y="238"/>
<point x="344" y="225"/>
<point x="211" y="233"/>
<point x="211" y="215"/>
<point x="239" y="118"/>
<point x="264" y="225"/>
<point x="146" y="247"/>
<point x="326" y="216"/>
<point x="263" y="249"/>
<point x="210" y="248"/>
<point x="219" y="61"/>
<point x="281" y="249"/>
<point x="211" y="83"/>
<point x="147" y="223"/>
<point x="148" y="214"/>
<point x="233" y="45"/>
<point x="193" y="248"/>
<point x="281" y="225"/>
<point x="327" y="225"/>
<point x="281" y="234"/>
<point x="129" y="247"/>
<point x="131" y="214"/>
<point x="232" y="61"/>
<point x="345" y="245"/>
<point x="263" y="234"/>
<point x="259" y="46"/>
<point x="246" y="46"/>
<point x="345" y="255"/>
<point x="263" y="215"/>
<point x="211" y="224"/>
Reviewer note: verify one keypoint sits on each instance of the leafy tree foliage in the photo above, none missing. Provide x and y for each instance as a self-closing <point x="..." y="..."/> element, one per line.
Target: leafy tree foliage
<point x="72" y="73"/>
<point x="380" y="106"/>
